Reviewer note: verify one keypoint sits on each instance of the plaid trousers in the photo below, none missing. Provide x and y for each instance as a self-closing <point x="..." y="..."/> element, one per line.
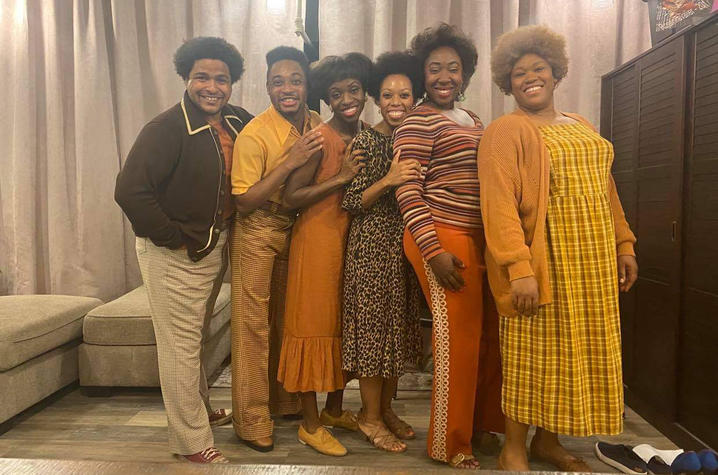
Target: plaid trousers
<point x="182" y="294"/>
<point x="260" y="251"/>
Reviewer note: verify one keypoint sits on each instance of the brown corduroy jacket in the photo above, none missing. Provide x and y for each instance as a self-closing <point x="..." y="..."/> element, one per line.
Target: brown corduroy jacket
<point x="514" y="172"/>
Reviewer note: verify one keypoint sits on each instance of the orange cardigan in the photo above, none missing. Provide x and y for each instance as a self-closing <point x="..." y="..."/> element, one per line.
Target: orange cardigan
<point x="514" y="171"/>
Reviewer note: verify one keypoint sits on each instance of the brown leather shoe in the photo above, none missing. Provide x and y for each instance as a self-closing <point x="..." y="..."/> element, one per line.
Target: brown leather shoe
<point x="220" y="417"/>
<point x="208" y="455"/>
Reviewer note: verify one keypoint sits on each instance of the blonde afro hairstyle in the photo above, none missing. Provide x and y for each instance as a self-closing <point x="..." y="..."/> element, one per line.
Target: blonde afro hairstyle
<point x="534" y="39"/>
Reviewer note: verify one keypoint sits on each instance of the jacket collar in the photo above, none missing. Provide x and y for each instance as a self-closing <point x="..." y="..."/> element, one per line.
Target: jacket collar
<point x="196" y="121"/>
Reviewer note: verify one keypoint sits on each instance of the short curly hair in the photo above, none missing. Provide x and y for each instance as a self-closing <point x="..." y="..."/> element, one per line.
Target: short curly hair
<point x="281" y="53"/>
<point x="447" y="35"/>
<point x="208" y="47"/>
<point x="534" y="39"/>
<point x="397" y="62"/>
<point x="337" y="68"/>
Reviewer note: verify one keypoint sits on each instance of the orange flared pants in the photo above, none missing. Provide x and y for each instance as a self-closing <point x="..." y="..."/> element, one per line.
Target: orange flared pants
<point x="466" y="395"/>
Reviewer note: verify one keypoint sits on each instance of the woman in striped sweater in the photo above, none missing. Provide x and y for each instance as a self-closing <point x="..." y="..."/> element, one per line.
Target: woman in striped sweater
<point x="444" y="242"/>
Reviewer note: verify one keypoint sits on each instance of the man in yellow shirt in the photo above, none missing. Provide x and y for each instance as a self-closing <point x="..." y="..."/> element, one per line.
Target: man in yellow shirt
<point x="270" y="147"/>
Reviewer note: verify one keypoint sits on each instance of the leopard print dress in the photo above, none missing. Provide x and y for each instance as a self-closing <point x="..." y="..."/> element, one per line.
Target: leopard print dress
<point x="380" y="325"/>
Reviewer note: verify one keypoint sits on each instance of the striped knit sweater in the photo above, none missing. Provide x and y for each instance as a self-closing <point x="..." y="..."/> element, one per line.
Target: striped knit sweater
<point x="447" y="191"/>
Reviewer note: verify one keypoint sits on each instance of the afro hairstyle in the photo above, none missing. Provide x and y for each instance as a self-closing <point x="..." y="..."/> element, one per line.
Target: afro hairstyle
<point x="397" y="62"/>
<point x="534" y="39"/>
<point x="332" y="69"/>
<point x="208" y="47"/>
<point x="447" y="35"/>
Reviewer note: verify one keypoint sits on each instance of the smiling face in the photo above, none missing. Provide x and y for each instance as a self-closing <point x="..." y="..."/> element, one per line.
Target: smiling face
<point x="443" y="76"/>
<point x="209" y="86"/>
<point x="287" y="88"/>
<point x="395" y="99"/>
<point x="532" y="83"/>
<point x="347" y="98"/>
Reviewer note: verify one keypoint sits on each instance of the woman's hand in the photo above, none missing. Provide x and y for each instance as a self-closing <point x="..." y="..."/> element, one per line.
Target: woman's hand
<point x="627" y="272"/>
<point x="525" y="295"/>
<point x="354" y="160"/>
<point x="401" y="172"/>
<point x="446" y="269"/>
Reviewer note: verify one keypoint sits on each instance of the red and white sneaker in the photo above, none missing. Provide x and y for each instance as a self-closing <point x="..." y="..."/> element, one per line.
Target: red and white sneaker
<point x="208" y="455"/>
<point x="220" y="417"/>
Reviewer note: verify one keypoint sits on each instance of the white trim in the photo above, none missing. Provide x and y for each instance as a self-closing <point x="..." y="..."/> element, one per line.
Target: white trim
<point x="186" y="121"/>
<point x="226" y="117"/>
<point x="440" y="411"/>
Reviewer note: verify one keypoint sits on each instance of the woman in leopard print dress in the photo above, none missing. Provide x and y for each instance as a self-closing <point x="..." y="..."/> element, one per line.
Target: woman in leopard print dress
<point x="381" y="329"/>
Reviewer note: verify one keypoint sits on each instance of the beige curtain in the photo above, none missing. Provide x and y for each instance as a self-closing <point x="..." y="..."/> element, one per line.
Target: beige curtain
<point x="601" y="34"/>
<point x="81" y="77"/>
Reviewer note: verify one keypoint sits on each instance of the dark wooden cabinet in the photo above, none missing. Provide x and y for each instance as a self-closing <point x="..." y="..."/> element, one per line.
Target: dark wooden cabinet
<point x="660" y="110"/>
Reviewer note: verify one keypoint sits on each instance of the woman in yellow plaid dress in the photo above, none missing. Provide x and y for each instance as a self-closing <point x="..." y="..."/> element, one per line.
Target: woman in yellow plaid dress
<point x="559" y="250"/>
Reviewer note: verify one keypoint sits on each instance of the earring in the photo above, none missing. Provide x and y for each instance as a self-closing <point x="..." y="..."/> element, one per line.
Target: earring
<point x="461" y="97"/>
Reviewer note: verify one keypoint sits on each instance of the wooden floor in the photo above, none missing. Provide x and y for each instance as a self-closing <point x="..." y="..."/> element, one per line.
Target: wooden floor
<point x="130" y="426"/>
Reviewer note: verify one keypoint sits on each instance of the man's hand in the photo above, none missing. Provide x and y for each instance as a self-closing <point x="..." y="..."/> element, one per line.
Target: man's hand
<point x="525" y="295"/>
<point x="303" y="149"/>
<point x="446" y="268"/>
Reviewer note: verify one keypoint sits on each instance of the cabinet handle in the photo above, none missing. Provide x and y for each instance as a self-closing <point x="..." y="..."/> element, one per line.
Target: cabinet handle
<point x="674" y="230"/>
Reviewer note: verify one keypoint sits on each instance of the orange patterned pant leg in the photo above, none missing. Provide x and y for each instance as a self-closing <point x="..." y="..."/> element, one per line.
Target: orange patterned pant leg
<point x="457" y="337"/>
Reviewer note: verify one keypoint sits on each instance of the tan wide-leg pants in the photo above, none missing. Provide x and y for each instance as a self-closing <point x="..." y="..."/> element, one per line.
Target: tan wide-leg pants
<point x="182" y="294"/>
<point x="259" y="248"/>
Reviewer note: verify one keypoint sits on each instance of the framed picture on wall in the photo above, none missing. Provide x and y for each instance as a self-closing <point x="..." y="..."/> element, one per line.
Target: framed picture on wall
<point x="670" y="16"/>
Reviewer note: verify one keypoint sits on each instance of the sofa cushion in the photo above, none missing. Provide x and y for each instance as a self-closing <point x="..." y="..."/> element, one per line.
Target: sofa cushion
<point x="127" y="321"/>
<point x="31" y="325"/>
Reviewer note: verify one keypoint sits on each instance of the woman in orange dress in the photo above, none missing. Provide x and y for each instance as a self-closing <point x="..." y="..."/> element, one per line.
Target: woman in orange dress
<point x="310" y="360"/>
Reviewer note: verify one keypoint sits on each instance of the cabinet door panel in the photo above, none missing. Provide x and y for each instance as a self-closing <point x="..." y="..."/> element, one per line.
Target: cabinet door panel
<point x="698" y="360"/>
<point x="659" y="177"/>
<point x="619" y="124"/>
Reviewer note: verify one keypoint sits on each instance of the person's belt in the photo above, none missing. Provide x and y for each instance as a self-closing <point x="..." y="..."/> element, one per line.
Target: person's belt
<point x="276" y="208"/>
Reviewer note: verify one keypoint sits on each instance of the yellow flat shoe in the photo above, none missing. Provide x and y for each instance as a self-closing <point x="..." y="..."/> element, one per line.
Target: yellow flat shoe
<point x="346" y="421"/>
<point x="322" y="441"/>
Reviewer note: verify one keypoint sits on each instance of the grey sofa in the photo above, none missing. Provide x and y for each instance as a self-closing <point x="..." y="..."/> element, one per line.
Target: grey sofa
<point x="119" y="346"/>
<point x="39" y="340"/>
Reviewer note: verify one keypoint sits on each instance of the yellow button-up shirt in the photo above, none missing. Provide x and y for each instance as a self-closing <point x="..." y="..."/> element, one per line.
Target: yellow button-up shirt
<point x="263" y="145"/>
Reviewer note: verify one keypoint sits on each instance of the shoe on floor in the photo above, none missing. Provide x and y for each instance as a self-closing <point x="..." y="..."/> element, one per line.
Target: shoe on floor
<point x="709" y="461"/>
<point x="620" y="457"/>
<point x="687" y="462"/>
<point x="220" y="417"/>
<point x="208" y="455"/>
<point x="322" y="441"/>
<point x="346" y="421"/>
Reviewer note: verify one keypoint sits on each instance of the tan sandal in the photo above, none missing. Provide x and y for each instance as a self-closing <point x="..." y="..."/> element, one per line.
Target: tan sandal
<point x="568" y="463"/>
<point x="380" y="437"/>
<point x="464" y="462"/>
<point x="398" y="427"/>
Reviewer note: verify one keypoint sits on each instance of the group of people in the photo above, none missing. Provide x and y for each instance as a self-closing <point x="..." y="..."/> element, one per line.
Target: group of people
<point x="513" y="234"/>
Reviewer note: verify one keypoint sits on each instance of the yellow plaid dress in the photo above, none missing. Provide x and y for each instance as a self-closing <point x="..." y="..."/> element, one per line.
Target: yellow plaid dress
<point x="562" y="367"/>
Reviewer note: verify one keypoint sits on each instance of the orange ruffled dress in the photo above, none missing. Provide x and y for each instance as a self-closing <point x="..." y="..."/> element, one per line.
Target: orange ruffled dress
<point x="311" y="357"/>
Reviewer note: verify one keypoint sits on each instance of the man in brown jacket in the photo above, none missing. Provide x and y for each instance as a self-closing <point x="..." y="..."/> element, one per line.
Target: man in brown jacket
<point x="174" y="189"/>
